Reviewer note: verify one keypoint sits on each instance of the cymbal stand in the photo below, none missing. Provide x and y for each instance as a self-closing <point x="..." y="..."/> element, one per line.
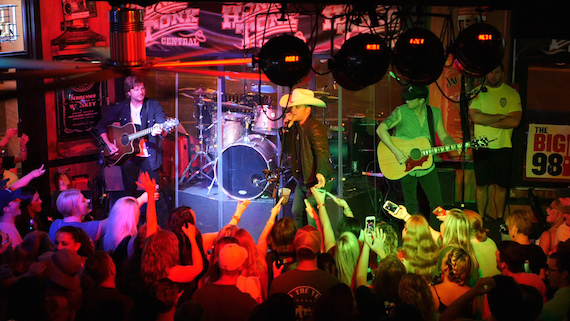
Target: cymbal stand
<point x="200" y="154"/>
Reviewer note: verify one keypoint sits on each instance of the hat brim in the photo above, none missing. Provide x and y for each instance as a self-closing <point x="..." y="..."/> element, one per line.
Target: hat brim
<point x="411" y="96"/>
<point x="303" y="101"/>
<point x="54" y="274"/>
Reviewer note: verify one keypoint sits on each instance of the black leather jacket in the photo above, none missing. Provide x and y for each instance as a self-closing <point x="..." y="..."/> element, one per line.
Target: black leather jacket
<point x="313" y="150"/>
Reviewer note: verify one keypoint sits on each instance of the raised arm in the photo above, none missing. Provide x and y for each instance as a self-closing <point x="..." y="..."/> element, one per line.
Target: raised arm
<point x="240" y="208"/>
<point x="313" y="214"/>
<point x="187" y="273"/>
<point x="262" y="241"/>
<point x="328" y="233"/>
<point x="23" y="156"/>
<point x="149" y="185"/>
<point x="28" y="178"/>
<point x="342" y="204"/>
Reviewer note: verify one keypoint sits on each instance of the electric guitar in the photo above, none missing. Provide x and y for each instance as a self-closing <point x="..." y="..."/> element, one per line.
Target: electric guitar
<point x="420" y="152"/>
<point x="126" y="138"/>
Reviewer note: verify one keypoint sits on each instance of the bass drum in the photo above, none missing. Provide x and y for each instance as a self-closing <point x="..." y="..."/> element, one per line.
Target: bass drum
<point x="243" y="166"/>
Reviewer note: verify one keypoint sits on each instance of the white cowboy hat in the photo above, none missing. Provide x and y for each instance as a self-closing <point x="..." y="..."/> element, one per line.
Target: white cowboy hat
<point x="301" y="96"/>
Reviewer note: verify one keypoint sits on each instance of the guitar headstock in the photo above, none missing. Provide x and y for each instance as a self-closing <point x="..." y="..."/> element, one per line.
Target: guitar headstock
<point x="170" y="123"/>
<point x="479" y="142"/>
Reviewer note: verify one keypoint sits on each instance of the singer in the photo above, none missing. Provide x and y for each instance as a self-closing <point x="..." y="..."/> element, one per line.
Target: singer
<point x="306" y="141"/>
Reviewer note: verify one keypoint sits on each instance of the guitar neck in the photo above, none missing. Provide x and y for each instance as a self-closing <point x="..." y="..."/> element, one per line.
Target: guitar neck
<point x="140" y="134"/>
<point x="443" y="149"/>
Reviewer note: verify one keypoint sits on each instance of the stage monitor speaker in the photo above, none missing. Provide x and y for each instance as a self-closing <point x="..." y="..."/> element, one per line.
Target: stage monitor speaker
<point x="447" y="183"/>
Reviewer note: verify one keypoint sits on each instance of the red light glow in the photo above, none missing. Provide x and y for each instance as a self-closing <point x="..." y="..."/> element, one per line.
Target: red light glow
<point x="417" y="41"/>
<point x="291" y="58"/>
<point x="485" y="37"/>
<point x="373" y="46"/>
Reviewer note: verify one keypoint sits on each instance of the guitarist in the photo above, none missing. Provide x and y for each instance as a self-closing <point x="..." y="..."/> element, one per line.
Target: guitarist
<point x="411" y="120"/>
<point x="143" y="113"/>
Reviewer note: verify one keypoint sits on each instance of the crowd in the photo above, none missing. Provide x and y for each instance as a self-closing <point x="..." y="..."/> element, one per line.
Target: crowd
<point x="128" y="268"/>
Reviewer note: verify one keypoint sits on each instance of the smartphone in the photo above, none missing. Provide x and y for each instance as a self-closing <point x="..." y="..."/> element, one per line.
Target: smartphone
<point x="439" y="211"/>
<point x="391" y="206"/>
<point x="369" y="224"/>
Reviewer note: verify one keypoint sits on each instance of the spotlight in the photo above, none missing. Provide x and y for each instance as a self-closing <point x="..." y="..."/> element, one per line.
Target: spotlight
<point x="361" y="61"/>
<point x="478" y="50"/>
<point x="419" y="56"/>
<point x="285" y="60"/>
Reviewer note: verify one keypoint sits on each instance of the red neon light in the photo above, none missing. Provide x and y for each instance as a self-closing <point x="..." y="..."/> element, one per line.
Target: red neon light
<point x="373" y="46"/>
<point x="291" y="58"/>
<point x="485" y="37"/>
<point x="417" y="41"/>
<point x="204" y="63"/>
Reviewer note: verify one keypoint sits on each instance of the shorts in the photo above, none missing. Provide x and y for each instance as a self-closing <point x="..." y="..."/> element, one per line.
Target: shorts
<point x="493" y="166"/>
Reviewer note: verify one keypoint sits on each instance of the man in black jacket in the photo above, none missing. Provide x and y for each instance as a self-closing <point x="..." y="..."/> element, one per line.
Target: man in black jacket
<point x="306" y="140"/>
<point x="143" y="113"/>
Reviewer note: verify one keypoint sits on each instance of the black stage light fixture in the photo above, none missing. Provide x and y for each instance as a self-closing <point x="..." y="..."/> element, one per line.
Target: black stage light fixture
<point x="285" y="60"/>
<point x="361" y="61"/>
<point x="478" y="50"/>
<point x="419" y="56"/>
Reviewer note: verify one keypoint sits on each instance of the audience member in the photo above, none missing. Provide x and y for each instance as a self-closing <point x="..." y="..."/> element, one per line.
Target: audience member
<point x="563" y="231"/>
<point x="32" y="247"/>
<point x="280" y="242"/>
<point x="510" y="261"/>
<point x="419" y="251"/>
<point x="519" y="224"/>
<point x="74" y="207"/>
<point x="222" y="300"/>
<point x="558" y="272"/>
<point x="121" y="230"/>
<point x="414" y="290"/>
<point x="31" y="206"/>
<point x="483" y="246"/>
<point x="555" y="218"/>
<point x="74" y="239"/>
<point x="346" y="257"/>
<point x="9" y="162"/>
<point x="306" y="283"/>
<point x="102" y="300"/>
<point x="277" y="307"/>
<point x="190" y="310"/>
<point x="10" y="209"/>
<point x="455" y="270"/>
<point x="336" y="304"/>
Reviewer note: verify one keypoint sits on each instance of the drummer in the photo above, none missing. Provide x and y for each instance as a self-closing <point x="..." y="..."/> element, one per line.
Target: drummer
<point x="306" y="140"/>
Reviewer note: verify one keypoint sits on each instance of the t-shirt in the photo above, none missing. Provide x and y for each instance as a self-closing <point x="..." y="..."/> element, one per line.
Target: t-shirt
<point x="485" y="255"/>
<point x="535" y="257"/>
<point x="555" y="309"/>
<point x="305" y="287"/>
<point x="91" y="228"/>
<point x="563" y="233"/>
<point x="502" y="100"/>
<point x="224" y="302"/>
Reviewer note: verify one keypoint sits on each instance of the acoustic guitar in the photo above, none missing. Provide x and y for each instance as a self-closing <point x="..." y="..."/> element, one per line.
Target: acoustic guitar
<point x="420" y="152"/>
<point x="126" y="138"/>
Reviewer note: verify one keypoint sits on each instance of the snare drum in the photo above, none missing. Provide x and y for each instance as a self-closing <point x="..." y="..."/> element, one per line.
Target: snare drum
<point x="233" y="128"/>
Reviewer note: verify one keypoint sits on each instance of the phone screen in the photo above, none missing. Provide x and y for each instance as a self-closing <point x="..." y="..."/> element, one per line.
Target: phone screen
<point x="370" y="222"/>
<point x="390" y="206"/>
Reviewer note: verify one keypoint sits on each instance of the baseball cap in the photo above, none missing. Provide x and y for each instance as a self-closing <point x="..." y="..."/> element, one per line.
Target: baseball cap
<point x="231" y="257"/>
<point x="7" y="196"/>
<point x="307" y="237"/>
<point x="413" y="92"/>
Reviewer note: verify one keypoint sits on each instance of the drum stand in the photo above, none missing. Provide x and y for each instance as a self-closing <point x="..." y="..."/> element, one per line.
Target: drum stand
<point x="205" y="160"/>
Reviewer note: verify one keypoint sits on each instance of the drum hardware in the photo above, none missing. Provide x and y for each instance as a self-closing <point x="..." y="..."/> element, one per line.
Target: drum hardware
<point x="205" y="160"/>
<point x="329" y="99"/>
<point x="263" y="89"/>
<point x="196" y="92"/>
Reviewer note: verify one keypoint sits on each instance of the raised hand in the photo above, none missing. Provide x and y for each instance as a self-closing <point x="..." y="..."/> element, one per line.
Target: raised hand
<point x="401" y="214"/>
<point x="190" y="231"/>
<point x="38" y="172"/>
<point x="146" y="183"/>
<point x="275" y="210"/>
<point x="319" y="194"/>
<point x="241" y="206"/>
<point x="310" y="211"/>
<point x="376" y="241"/>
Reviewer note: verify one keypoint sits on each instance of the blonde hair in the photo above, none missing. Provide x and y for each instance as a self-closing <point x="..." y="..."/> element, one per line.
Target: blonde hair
<point x="419" y="249"/>
<point x="459" y="266"/>
<point x="346" y="256"/>
<point x="476" y="222"/>
<point x="122" y="222"/>
<point x="67" y="200"/>
<point x="521" y="219"/>
<point x="457" y="232"/>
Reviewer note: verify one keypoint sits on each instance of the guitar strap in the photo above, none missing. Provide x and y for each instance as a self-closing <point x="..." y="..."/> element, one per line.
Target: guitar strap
<point x="430" y="124"/>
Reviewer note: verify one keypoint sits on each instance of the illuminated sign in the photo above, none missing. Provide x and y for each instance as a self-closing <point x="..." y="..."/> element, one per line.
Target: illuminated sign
<point x="417" y="41"/>
<point x="373" y="46"/>
<point x="291" y="58"/>
<point x="485" y="37"/>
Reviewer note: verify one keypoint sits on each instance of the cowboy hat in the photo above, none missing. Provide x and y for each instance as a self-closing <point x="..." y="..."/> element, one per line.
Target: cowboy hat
<point x="301" y="96"/>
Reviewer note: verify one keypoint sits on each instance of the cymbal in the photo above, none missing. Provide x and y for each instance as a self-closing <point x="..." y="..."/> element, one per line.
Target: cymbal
<point x="316" y="92"/>
<point x="230" y="105"/>
<point x="200" y="91"/>
<point x="263" y="89"/>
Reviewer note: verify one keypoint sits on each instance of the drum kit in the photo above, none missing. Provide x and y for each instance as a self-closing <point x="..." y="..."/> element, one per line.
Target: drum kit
<point x="249" y="129"/>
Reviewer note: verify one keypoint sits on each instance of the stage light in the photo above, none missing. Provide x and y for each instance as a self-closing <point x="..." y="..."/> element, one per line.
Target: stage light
<point x="285" y="60"/>
<point x="419" y="56"/>
<point x="478" y="50"/>
<point x="361" y="61"/>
